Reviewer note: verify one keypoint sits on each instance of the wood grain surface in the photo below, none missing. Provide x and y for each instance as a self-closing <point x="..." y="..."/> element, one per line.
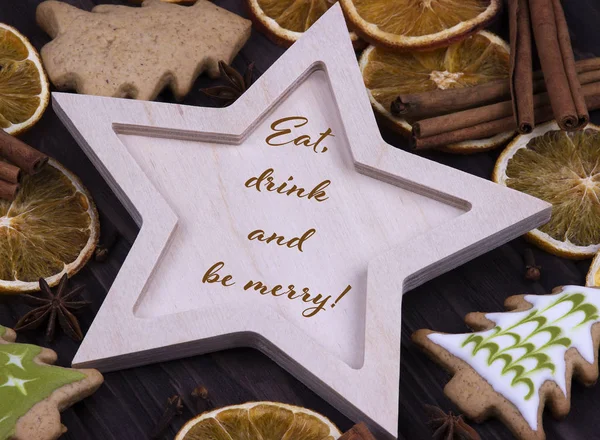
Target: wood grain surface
<point x="130" y="403"/>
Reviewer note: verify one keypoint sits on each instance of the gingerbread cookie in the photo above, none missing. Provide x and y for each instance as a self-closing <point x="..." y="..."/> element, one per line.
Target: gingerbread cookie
<point x="516" y="362"/>
<point x="134" y="52"/>
<point x="32" y="391"/>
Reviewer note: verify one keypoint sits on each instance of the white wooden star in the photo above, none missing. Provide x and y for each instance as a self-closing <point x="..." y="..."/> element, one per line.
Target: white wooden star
<point x="372" y="223"/>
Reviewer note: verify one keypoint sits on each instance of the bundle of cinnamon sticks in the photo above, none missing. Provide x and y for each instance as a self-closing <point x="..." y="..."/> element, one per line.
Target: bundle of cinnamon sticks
<point x="547" y="20"/>
<point x="18" y="158"/>
<point x="563" y="89"/>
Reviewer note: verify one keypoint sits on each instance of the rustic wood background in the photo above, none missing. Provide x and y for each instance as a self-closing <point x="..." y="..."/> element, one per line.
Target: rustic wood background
<point x="130" y="403"/>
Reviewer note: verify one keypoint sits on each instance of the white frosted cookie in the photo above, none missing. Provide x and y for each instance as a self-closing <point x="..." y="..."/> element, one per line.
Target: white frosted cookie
<point x="33" y="391"/>
<point x="516" y="362"/>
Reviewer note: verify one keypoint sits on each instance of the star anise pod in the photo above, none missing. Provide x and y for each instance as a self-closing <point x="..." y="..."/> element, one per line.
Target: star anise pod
<point x="236" y="84"/>
<point x="447" y="426"/>
<point x="51" y="307"/>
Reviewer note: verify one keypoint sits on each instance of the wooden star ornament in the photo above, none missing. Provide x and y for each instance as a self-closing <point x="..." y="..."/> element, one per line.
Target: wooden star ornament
<point x="283" y="222"/>
<point x="133" y="52"/>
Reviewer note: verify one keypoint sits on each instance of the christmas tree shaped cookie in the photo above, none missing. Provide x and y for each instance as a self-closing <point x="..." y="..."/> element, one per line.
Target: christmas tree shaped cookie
<point x="518" y="362"/>
<point x="133" y="52"/>
<point x="32" y="391"/>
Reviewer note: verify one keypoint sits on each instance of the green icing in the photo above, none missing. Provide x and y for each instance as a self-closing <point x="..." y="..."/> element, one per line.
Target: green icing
<point x="524" y="341"/>
<point x="23" y="382"/>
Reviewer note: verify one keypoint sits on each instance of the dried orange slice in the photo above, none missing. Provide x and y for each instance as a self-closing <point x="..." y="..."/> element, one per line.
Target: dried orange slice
<point x="593" y="275"/>
<point x="24" y="90"/>
<point x="284" y="21"/>
<point x="418" y="25"/>
<point x="476" y="60"/>
<point x="50" y="229"/>
<point x="259" y="420"/>
<point x="563" y="169"/>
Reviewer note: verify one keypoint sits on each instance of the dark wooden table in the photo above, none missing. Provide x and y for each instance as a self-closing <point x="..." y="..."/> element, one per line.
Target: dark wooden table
<point x="130" y="402"/>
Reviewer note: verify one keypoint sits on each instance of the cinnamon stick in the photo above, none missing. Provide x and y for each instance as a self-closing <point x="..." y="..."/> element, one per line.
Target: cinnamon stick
<point x="589" y="77"/>
<point x="438" y="102"/>
<point x="8" y="190"/>
<point x="22" y="155"/>
<point x="564" y="42"/>
<point x="581" y="66"/>
<point x="358" y="432"/>
<point x="542" y="113"/>
<point x="467" y="118"/>
<point x="9" y="173"/>
<point x="558" y="63"/>
<point x="521" y="70"/>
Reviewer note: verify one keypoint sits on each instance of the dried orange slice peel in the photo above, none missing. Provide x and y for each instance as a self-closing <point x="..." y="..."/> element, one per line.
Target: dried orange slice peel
<point x="259" y="420"/>
<point x="284" y="21"/>
<point x="593" y="275"/>
<point x="24" y="89"/>
<point x="563" y="169"/>
<point x="418" y="25"/>
<point x="50" y="229"/>
<point x="480" y="58"/>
